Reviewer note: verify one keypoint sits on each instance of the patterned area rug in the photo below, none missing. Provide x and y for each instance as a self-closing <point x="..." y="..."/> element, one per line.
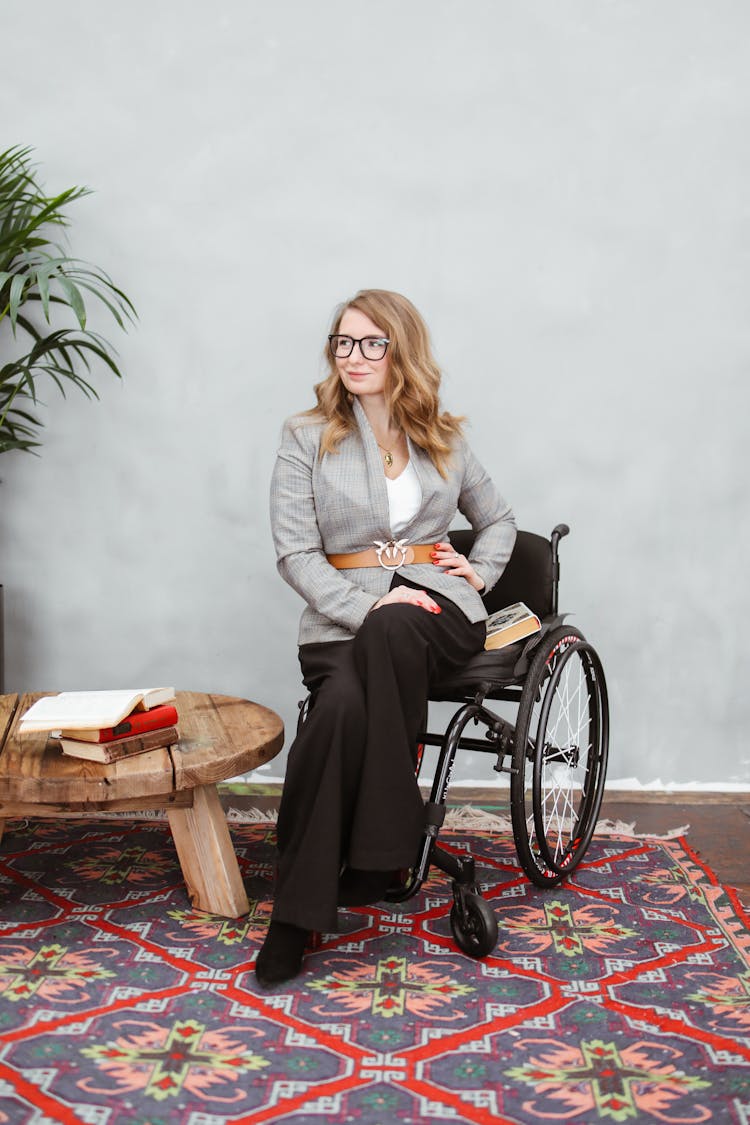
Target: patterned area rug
<point x="623" y="997"/>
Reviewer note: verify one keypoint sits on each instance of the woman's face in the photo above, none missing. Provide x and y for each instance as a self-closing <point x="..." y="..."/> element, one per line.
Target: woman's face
<point x="359" y="375"/>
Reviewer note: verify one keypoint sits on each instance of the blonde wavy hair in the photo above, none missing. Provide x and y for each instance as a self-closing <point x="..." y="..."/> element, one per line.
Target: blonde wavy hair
<point x="412" y="387"/>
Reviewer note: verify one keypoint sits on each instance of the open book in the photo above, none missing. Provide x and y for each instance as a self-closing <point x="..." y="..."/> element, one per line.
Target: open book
<point x="511" y="624"/>
<point x="90" y="710"/>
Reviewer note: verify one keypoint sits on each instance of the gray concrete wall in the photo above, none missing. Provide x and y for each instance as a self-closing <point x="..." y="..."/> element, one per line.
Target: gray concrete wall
<point x="561" y="186"/>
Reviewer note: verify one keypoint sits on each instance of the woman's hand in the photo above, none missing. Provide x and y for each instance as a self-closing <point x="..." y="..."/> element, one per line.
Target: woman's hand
<point x="410" y="597"/>
<point x="444" y="555"/>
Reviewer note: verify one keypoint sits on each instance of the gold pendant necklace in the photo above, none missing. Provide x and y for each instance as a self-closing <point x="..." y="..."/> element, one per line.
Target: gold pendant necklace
<point x="387" y="455"/>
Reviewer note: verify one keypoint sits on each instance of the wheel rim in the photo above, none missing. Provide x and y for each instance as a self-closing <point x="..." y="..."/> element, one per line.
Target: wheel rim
<point x="532" y="858"/>
<point x="569" y="759"/>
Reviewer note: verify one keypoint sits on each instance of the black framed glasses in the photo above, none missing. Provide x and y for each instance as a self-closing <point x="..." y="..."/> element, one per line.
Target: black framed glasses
<point x="371" y="347"/>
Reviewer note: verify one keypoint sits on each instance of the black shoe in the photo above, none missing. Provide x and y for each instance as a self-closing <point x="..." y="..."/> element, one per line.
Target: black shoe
<point x="360" y="888"/>
<point x="280" y="958"/>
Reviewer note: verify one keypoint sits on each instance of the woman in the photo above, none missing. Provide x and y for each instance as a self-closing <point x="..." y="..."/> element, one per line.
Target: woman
<point x="363" y="493"/>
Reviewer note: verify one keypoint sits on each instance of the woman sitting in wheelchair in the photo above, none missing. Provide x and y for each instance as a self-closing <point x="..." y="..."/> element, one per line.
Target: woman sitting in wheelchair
<point x="364" y="490"/>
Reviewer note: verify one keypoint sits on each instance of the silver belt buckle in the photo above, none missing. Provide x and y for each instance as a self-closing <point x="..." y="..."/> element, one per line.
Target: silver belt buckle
<point x="391" y="553"/>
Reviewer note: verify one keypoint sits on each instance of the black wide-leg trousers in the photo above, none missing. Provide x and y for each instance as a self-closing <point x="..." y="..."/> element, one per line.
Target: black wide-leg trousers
<point x="350" y="794"/>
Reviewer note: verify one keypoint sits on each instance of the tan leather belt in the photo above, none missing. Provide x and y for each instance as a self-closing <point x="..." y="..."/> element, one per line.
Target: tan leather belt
<point x="390" y="554"/>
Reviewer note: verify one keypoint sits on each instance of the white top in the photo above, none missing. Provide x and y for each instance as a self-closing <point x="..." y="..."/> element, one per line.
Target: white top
<point x="404" y="498"/>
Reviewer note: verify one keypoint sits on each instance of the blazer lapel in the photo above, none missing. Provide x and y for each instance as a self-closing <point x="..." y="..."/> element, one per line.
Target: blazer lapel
<point x="433" y="487"/>
<point x="374" y="468"/>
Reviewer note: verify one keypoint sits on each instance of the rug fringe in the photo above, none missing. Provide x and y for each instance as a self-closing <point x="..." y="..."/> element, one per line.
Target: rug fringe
<point x="252" y="816"/>
<point x="478" y="820"/>
<point x="460" y="817"/>
<point x="481" y="820"/>
<point x="620" y="828"/>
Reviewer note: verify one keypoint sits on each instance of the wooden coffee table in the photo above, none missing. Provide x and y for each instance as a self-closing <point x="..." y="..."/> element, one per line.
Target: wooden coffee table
<point x="219" y="737"/>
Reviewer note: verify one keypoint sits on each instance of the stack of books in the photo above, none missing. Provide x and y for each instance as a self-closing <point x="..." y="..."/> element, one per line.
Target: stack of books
<point x="105" y="726"/>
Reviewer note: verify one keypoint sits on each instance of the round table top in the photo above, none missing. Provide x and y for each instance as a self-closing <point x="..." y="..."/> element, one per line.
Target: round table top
<point x="220" y="736"/>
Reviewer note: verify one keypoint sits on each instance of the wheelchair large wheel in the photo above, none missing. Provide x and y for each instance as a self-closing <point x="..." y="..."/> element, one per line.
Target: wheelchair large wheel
<point x="559" y="757"/>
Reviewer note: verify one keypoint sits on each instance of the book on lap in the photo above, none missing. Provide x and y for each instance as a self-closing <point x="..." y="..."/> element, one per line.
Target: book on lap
<point x="90" y="710"/>
<point x="121" y="747"/>
<point x="510" y="624"/>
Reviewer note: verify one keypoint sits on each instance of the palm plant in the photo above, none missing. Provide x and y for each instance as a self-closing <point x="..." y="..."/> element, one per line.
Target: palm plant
<point x="40" y="286"/>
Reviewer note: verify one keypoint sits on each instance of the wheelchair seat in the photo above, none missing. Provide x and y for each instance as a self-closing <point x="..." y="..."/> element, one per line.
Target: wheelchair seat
<point x="555" y="754"/>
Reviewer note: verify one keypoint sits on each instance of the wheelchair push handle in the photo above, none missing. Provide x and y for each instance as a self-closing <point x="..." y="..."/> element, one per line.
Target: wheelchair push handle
<point x="558" y="532"/>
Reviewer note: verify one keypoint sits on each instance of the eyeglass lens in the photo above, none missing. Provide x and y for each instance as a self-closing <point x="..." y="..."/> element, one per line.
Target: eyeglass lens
<point x="372" y="347"/>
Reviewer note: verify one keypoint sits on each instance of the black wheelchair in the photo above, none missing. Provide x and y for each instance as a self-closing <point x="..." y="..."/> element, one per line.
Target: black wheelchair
<point x="555" y="753"/>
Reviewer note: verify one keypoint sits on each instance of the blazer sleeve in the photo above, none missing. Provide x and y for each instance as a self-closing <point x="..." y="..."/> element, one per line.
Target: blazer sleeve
<point x="491" y="518"/>
<point x="300" y="557"/>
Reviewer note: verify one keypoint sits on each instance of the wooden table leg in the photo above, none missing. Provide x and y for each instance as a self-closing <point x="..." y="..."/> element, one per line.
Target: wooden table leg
<point x="207" y="858"/>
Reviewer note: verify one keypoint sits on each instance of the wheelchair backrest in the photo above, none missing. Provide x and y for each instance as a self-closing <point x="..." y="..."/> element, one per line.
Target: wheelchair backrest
<point x="528" y="577"/>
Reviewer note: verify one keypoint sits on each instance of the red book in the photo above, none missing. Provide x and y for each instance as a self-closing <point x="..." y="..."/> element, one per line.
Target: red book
<point x="137" y="722"/>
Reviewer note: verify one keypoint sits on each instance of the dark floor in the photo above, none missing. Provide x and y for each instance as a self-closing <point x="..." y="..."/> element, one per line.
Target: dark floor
<point x="718" y="828"/>
<point x="718" y="823"/>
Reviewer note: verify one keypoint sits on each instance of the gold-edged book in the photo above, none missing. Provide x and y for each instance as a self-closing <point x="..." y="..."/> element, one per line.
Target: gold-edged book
<point x="510" y="624"/>
<point x="121" y="748"/>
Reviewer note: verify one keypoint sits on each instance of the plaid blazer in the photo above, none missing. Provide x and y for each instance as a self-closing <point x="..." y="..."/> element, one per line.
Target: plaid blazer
<point x="340" y="504"/>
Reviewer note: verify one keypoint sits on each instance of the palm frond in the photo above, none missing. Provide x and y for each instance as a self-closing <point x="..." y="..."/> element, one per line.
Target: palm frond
<point x="36" y="272"/>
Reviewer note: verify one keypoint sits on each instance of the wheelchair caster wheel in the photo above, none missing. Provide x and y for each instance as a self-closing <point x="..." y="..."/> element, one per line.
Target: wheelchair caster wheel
<point x="474" y="928"/>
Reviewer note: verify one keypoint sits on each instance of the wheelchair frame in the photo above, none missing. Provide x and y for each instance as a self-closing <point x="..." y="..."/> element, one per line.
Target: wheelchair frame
<point x="556" y="783"/>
